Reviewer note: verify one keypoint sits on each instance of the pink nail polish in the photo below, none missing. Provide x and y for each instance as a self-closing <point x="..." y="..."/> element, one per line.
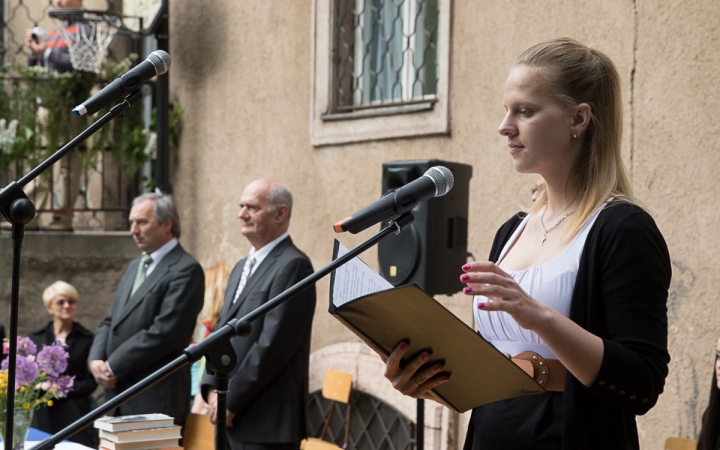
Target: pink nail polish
<point x="425" y="356"/>
<point x="438" y="368"/>
<point x="445" y="378"/>
<point x="466" y="267"/>
<point x="465" y="277"/>
<point x="481" y="305"/>
<point x="467" y="290"/>
<point x="403" y="346"/>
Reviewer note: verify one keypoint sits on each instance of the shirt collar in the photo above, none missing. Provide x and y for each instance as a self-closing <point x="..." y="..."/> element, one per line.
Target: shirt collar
<point x="265" y="250"/>
<point x="160" y="253"/>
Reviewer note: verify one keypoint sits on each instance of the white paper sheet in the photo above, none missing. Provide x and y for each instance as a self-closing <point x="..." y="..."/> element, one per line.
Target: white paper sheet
<point x="355" y="279"/>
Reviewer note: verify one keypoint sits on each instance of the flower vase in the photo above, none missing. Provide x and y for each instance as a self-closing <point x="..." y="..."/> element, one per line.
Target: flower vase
<point x="21" y="426"/>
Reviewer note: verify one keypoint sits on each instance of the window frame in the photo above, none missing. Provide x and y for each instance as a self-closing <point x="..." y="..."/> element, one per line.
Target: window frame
<point x="418" y="118"/>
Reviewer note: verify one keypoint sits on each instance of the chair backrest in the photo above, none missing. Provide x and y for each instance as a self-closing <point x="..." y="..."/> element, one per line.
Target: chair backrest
<point x="337" y="386"/>
<point x="199" y="433"/>
<point x="676" y="443"/>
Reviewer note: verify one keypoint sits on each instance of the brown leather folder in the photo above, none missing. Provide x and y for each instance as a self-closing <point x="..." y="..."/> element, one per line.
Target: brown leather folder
<point x="479" y="374"/>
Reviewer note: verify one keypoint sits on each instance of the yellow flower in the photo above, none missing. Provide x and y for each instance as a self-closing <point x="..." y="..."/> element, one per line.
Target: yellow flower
<point x="22" y="389"/>
<point x="26" y="405"/>
<point x="50" y="402"/>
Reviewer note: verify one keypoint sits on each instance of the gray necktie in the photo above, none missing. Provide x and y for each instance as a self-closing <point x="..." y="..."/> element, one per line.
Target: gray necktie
<point x="145" y="261"/>
<point x="247" y="270"/>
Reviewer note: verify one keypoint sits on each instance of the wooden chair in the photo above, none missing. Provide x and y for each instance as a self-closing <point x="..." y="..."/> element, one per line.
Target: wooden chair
<point x="199" y="433"/>
<point x="675" y="443"/>
<point x="336" y="387"/>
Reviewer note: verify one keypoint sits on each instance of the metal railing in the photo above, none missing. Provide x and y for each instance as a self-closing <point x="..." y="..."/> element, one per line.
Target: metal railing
<point x="81" y="192"/>
<point x="85" y="190"/>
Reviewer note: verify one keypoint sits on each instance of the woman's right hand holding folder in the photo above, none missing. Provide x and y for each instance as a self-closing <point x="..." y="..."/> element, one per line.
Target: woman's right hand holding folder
<point x="417" y="377"/>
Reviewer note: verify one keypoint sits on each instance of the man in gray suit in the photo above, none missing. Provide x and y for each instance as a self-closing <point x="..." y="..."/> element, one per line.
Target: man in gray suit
<point x="152" y="317"/>
<point x="268" y="389"/>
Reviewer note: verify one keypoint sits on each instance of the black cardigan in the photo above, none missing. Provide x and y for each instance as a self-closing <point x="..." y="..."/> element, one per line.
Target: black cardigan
<point x="620" y="295"/>
<point x="710" y="433"/>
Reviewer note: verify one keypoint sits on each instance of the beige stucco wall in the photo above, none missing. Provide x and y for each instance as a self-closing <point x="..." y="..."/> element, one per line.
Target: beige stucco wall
<point x="242" y="71"/>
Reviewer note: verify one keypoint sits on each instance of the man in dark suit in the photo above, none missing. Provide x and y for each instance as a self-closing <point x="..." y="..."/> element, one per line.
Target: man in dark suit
<point x="152" y="317"/>
<point x="268" y="389"/>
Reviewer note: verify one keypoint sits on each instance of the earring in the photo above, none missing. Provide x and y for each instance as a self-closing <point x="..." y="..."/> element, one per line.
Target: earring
<point x="574" y="136"/>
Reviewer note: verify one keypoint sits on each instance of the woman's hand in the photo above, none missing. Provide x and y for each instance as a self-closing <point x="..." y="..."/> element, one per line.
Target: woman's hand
<point x="485" y="278"/>
<point x="417" y="377"/>
<point x="579" y="350"/>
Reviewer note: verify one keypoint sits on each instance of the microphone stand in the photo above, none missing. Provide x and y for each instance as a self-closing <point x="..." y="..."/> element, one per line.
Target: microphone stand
<point x="19" y="210"/>
<point x="221" y="358"/>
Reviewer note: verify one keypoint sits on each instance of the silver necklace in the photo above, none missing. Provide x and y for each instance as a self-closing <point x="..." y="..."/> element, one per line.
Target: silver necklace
<point x="547" y="230"/>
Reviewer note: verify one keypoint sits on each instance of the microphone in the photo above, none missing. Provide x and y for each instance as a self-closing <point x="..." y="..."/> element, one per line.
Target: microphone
<point x="435" y="182"/>
<point x="157" y="63"/>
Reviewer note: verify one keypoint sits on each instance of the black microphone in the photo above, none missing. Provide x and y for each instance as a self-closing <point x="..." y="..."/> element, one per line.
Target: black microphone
<point x="157" y="63"/>
<point x="435" y="182"/>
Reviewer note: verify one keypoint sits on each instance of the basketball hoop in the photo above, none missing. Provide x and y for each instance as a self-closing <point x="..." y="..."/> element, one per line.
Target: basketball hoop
<point x="87" y="34"/>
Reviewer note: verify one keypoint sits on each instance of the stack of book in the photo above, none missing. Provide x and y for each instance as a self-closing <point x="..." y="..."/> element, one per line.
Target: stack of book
<point x="138" y="432"/>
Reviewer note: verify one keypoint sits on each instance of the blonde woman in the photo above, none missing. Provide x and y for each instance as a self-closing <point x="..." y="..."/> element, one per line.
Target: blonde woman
<point x="581" y="280"/>
<point x="61" y="301"/>
<point x="216" y="279"/>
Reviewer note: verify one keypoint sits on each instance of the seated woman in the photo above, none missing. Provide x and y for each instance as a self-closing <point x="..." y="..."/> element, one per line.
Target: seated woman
<point x="60" y="299"/>
<point x="710" y="434"/>
<point x="581" y="280"/>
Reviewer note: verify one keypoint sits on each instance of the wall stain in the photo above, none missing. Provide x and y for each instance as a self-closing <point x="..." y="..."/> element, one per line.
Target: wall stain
<point x="682" y="283"/>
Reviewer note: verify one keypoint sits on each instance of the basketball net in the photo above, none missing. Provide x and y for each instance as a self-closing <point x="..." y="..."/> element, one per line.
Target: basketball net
<point x="88" y="44"/>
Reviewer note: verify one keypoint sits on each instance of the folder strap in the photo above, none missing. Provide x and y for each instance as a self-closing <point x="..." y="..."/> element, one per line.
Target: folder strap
<point x="548" y="373"/>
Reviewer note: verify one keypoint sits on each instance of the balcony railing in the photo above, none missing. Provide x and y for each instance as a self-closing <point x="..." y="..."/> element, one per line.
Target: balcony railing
<point x="90" y="188"/>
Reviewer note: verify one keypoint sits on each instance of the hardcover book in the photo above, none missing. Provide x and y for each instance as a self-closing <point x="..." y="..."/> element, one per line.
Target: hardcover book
<point x="149" y="434"/>
<point x="134" y="422"/>
<point x="142" y="445"/>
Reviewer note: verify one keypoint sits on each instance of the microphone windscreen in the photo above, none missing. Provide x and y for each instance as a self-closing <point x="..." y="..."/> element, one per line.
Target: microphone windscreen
<point x="443" y="179"/>
<point x="160" y="61"/>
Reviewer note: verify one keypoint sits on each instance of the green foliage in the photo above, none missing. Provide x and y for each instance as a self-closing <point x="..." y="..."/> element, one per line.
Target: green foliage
<point x="37" y="137"/>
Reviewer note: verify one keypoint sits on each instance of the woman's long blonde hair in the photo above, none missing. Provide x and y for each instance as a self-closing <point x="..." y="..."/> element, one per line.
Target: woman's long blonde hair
<point x="576" y="74"/>
<point x="216" y="279"/>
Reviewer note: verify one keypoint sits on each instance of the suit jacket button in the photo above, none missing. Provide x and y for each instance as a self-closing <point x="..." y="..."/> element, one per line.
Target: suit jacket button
<point x="632" y="397"/>
<point x="612" y="387"/>
<point x="601" y="382"/>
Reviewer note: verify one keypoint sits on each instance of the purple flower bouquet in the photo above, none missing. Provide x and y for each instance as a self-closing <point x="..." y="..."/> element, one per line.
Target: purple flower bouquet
<point x="39" y="380"/>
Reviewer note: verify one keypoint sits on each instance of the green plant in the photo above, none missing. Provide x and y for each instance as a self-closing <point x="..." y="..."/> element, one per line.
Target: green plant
<point x="38" y="136"/>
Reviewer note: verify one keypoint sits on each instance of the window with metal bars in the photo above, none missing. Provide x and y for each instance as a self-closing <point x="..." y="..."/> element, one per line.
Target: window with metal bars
<point x="374" y="425"/>
<point x="385" y="54"/>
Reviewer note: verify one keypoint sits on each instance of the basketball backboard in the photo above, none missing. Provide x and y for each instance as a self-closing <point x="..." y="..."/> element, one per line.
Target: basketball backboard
<point x="148" y="10"/>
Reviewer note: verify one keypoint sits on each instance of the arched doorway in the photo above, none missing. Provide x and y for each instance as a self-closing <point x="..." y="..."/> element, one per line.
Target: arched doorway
<point x="374" y="424"/>
<point x="376" y="399"/>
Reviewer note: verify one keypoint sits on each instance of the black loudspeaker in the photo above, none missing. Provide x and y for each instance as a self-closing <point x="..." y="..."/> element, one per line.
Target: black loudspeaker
<point x="431" y="251"/>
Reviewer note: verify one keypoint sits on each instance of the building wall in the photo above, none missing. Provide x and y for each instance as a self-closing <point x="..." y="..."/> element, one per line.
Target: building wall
<point x="242" y="72"/>
<point x="91" y="262"/>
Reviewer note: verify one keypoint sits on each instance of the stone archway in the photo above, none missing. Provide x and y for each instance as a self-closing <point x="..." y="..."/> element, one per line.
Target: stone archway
<point x="367" y="370"/>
